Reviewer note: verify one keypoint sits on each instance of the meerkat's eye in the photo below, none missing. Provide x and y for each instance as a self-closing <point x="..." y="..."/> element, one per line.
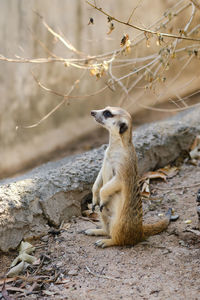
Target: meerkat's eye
<point x="107" y="114"/>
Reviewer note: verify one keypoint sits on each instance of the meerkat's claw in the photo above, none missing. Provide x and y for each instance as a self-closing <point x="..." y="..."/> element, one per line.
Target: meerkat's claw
<point x="101" y="207"/>
<point x="99" y="243"/>
<point x="93" y="207"/>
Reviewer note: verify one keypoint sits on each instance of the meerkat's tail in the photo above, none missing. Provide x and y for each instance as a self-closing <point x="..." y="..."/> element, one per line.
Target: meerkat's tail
<point x="152" y="229"/>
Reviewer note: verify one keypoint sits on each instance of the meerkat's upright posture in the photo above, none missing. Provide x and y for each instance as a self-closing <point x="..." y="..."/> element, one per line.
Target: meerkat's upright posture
<point x="116" y="189"/>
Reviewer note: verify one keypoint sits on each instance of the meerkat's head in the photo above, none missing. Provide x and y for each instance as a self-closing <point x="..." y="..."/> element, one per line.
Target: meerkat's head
<point x="115" y="119"/>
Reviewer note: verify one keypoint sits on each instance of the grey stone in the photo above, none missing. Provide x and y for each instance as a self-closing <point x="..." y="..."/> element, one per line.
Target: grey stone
<point x="53" y="192"/>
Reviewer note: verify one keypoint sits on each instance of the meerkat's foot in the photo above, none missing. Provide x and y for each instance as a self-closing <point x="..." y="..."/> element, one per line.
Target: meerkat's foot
<point x="104" y="243"/>
<point x="96" y="232"/>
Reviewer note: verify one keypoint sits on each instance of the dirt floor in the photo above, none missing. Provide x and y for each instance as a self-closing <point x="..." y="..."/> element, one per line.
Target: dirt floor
<point x="166" y="266"/>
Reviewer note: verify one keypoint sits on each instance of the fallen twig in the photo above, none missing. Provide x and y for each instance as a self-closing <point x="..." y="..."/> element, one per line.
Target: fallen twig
<point x="106" y="277"/>
<point x="197" y="232"/>
<point x="89" y="220"/>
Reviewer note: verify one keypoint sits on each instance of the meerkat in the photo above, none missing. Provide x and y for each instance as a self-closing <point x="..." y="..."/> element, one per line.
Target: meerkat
<point x="116" y="189"/>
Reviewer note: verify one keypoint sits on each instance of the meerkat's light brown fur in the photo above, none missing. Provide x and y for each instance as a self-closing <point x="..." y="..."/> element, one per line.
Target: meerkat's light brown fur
<point x="116" y="189"/>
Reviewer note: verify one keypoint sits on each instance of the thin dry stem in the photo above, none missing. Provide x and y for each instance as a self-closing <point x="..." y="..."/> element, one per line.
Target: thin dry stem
<point x="58" y="36"/>
<point x="106" y="277"/>
<point x="56" y="107"/>
<point x="163" y="34"/>
<point x="196" y="3"/>
<point x="134" y="9"/>
<point x="66" y="95"/>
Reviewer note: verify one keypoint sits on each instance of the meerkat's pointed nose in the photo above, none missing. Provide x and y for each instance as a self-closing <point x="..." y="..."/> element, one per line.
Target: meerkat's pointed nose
<point x="93" y="113"/>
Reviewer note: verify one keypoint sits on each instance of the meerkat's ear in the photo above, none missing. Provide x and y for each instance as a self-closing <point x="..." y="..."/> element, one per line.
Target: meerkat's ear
<point x="122" y="127"/>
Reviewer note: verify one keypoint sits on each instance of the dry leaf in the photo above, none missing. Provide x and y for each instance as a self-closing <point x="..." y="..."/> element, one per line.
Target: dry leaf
<point x="159" y="40"/>
<point x="90" y="214"/>
<point x="125" y="41"/>
<point x="98" y="70"/>
<point x="16" y="270"/>
<point x="24" y="258"/>
<point x="169" y="171"/>
<point x="149" y="76"/>
<point x="91" y="21"/>
<point x="26" y="247"/>
<point x="195" y="148"/>
<point x="148" y="36"/>
<point x="145" y="191"/>
<point x="111" y="28"/>
<point x="155" y="175"/>
<point x="148" y="43"/>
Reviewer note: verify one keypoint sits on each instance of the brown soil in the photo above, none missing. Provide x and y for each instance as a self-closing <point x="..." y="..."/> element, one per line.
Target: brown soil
<point x="166" y="266"/>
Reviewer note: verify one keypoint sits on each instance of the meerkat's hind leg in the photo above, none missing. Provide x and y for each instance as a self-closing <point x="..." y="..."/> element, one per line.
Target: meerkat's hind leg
<point x="105" y="243"/>
<point x="97" y="232"/>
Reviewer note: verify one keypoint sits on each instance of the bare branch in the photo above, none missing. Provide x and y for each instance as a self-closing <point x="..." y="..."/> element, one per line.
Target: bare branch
<point x="167" y="109"/>
<point x="134" y="9"/>
<point x="45" y="48"/>
<point x="67" y="95"/>
<point x="56" y="107"/>
<point x="196" y="3"/>
<point x="191" y="18"/>
<point x="58" y="36"/>
<point x="168" y="35"/>
<point x="181" y="70"/>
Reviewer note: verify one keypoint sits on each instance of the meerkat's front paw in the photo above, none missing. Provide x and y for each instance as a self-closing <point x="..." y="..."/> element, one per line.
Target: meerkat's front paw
<point x="89" y="232"/>
<point x="95" y="202"/>
<point x="99" y="243"/>
<point x="97" y="231"/>
<point x="104" y="243"/>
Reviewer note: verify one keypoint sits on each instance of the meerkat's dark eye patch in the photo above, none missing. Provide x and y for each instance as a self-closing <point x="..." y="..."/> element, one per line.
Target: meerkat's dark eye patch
<point x="122" y="127"/>
<point x="107" y="114"/>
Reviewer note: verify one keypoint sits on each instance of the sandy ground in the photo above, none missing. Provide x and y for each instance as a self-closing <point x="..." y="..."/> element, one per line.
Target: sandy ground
<point x="166" y="266"/>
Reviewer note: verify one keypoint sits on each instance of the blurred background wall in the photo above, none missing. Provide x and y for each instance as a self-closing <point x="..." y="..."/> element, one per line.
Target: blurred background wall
<point x="23" y="102"/>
